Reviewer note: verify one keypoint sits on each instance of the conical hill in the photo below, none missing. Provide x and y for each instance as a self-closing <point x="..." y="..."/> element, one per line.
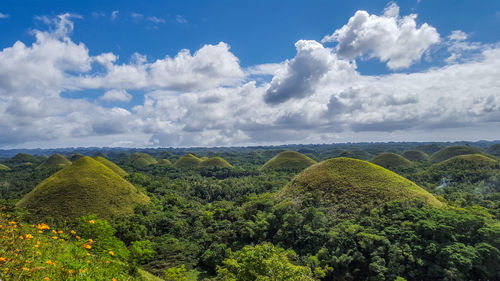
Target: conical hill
<point x="215" y="162"/>
<point x="345" y="186"/>
<point x="142" y="160"/>
<point x="85" y="187"/>
<point x="415" y="155"/>
<point x="187" y="161"/>
<point x="111" y="165"/>
<point x="54" y="162"/>
<point x="164" y="162"/>
<point x="391" y="161"/>
<point x="452" y="151"/>
<point x="288" y="160"/>
<point x="464" y="168"/>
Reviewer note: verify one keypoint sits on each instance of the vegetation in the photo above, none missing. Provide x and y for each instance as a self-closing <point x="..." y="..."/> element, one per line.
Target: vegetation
<point x="142" y="160"/>
<point x="85" y="187"/>
<point x="4" y="168"/>
<point x="415" y="155"/>
<point x="164" y="162"/>
<point x="215" y="162"/>
<point x="452" y="151"/>
<point x="391" y="161"/>
<point x="288" y="160"/>
<point x="119" y="171"/>
<point x="494" y="150"/>
<point x="187" y="161"/>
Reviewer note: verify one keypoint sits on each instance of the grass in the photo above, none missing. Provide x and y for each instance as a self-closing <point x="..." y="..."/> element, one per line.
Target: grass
<point x="452" y="151"/>
<point x="187" y="161"/>
<point x="4" y="168"/>
<point x="54" y="162"/>
<point x="142" y="160"/>
<point x="415" y="155"/>
<point x="346" y="186"/>
<point x="85" y="187"/>
<point x="391" y="161"/>
<point x="288" y="160"/>
<point x="494" y="150"/>
<point x="215" y="162"/>
<point x="164" y="162"/>
<point x="75" y="157"/>
<point x="111" y="165"/>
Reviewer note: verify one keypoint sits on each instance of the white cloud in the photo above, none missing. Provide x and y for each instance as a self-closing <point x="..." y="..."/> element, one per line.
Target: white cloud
<point x="3" y="16"/>
<point x="116" y="95"/>
<point x="389" y="37"/>
<point x="180" y="19"/>
<point x="114" y="14"/>
<point x="458" y="35"/>
<point x="156" y="20"/>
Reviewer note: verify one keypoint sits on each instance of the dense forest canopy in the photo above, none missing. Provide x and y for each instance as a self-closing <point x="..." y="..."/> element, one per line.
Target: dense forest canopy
<point x="343" y="218"/>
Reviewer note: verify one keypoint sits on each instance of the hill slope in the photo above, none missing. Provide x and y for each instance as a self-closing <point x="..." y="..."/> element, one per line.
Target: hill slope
<point x="85" y="187"/>
<point x="452" y="151"/>
<point x="142" y="160"/>
<point x="494" y="150"/>
<point x="391" y="161"/>
<point x="164" y="162"/>
<point x="344" y="185"/>
<point x="464" y="168"/>
<point x="288" y="160"/>
<point x="111" y="165"/>
<point x="187" y="161"/>
<point x="54" y="162"/>
<point x="215" y="162"/>
<point x="415" y="155"/>
<point x="4" y="168"/>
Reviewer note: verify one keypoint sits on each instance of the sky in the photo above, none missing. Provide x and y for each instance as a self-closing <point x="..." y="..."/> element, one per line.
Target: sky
<point x="235" y="73"/>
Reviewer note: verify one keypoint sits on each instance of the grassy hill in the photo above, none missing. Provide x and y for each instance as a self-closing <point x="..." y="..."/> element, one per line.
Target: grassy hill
<point x="4" y="168"/>
<point x="111" y="165"/>
<point x="187" y="161"/>
<point x="142" y="160"/>
<point x="494" y="150"/>
<point x="469" y="168"/>
<point x="54" y="162"/>
<point x="288" y="160"/>
<point x="164" y="162"/>
<point x="452" y="151"/>
<point x="415" y="155"/>
<point x="85" y="187"/>
<point x="75" y="157"/>
<point x="391" y="161"/>
<point x="345" y="186"/>
<point x="215" y="162"/>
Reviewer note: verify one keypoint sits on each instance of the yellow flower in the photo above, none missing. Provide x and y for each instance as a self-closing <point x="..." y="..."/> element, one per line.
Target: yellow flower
<point x="28" y="236"/>
<point x="88" y="254"/>
<point x="26" y="268"/>
<point x="51" y="263"/>
<point x="87" y="246"/>
<point x="111" y="253"/>
<point x="73" y="232"/>
<point x="91" y="221"/>
<point x="60" y="231"/>
<point x="2" y="259"/>
<point x="107" y="261"/>
<point x="54" y="237"/>
<point x="42" y="226"/>
<point x="12" y="222"/>
<point x="54" y="231"/>
<point x="70" y="271"/>
<point x="77" y="237"/>
<point x="114" y="279"/>
<point x="46" y="278"/>
<point x="88" y="261"/>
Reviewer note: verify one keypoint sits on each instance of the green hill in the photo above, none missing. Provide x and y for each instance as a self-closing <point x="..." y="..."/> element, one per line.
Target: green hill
<point x="391" y="161"/>
<point x="85" y="187"/>
<point x="452" y="151"/>
<point x="111" y="165"/>
<point x="187" y="161"/>
<point x="288" y="160"/>
<point x="215" y="162"/>
<point x="164" y="162"/>
<point x="344" y="186"/>
<point x="415" y="155"/>
<point x="142" y="160"/>
<point x="464" y="168"/>
<point x="4" y="168"/>
<point x="494" y="150"/>
<point x="75" y="157"/>
<point x="54" y="162"/>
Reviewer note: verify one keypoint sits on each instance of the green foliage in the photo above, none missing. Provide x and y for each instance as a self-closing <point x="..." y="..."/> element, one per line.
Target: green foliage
<point x="142" y="160"/>
<point x="288" y="160"/>
<point x="343" y="185"/>
<point x="176" y="274"/>
<point x="262" y="262"/>
<point x="119" y="171"/>
<point x="164" y="162"/>
<point x="141" y="252"/>
<point x="4" y="168"/>
<point x="85" y="187"/>
<point x="391" y="161"/>
<point x="494" y="150"/>
<point x="452" y="151"/>
<point x="214" y="162"/>
<point x="415" y="155"/>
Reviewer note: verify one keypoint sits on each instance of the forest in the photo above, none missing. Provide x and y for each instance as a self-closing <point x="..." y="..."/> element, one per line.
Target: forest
<point x="354" y="211"/>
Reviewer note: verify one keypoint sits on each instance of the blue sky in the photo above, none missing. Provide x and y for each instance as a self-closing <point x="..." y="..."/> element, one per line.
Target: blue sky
<point x="281" y="71"/>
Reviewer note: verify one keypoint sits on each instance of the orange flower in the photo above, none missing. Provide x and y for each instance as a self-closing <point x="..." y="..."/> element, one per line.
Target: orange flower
<point x="28" y="236"/>
<point x="54" y="237"/>
<point x="60" y="231"/>
<point x="46" y="279"/>
<point x="91" y="221"/>
<point x="70" y="271"/>
<point x="111" y="253"/>
<point x="77" y="237"/>
<point x="114" y="279"/>
<point x="87" y="246"/>
<point x="73" y="232"/>
<point x="42" y="226"/>
<point x="2" y="259"/>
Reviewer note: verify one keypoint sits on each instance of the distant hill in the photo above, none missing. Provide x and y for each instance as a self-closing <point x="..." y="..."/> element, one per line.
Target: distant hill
<point x="187" y="161"/>
<point x="494" y="150"/>
<point x="54" y="162"/>
<point x="4" y="168"/>
<point x="142" y="160"/>
<point x="344" y="186"/>
<point x="452" y="151"/>
<point x="215" y="162"/>
<point x="391" y="161"/>
<point x="75" y="157"/>
<point x="164" y="162"/>
<point x="111" y="165"/>
<point x="288" y="160"/>
<point x="84" y="187"/>
<point x="469" y="168"/>
<point x="415" y="155"/>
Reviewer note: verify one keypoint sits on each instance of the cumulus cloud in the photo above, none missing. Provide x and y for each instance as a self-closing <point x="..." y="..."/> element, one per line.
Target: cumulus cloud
<point x="116" y="95"/>
<point x="114" y="14"/>
<point x="299" y="76"/>
<point x="396" y="40"/>
<point x="3" y="16"/>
